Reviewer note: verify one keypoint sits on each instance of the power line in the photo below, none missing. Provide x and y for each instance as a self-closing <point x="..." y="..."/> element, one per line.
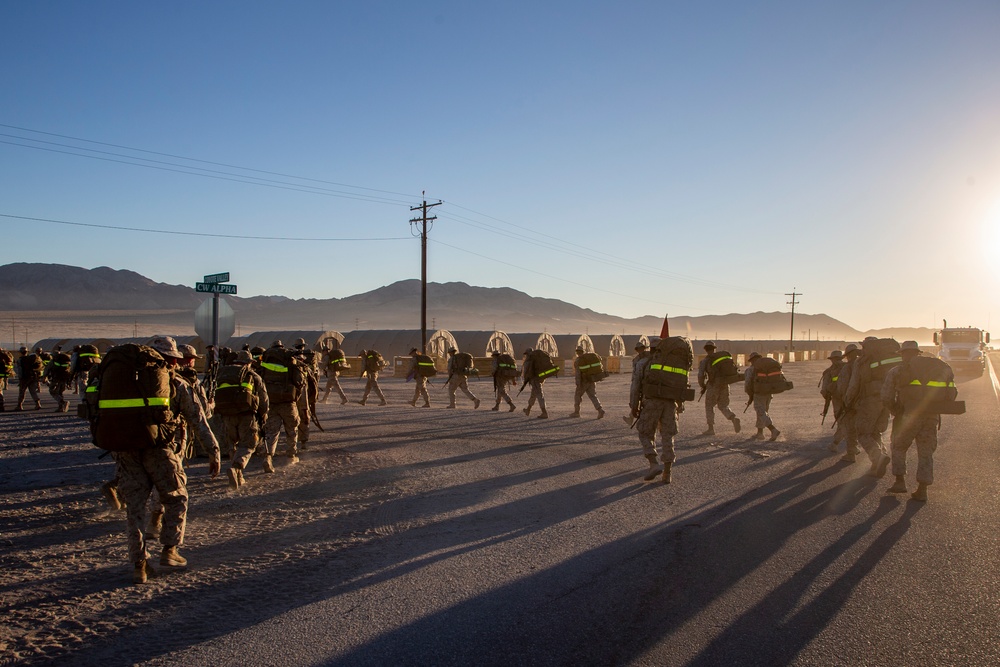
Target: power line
<point x="201" y="234"/>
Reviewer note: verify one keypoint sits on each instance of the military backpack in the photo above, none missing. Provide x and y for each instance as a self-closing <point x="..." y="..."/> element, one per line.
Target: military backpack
<point x="234" y="393"/>
<point x="59" y="369"/>
<point x="128" y="400"/>
<point x="880" y="355"/>
<point x="722" y="368"/>
<point x="927" y="386"/>
<point x="373" y="361"/>
<point x="6" y="364"/>
<point x="336" y="361"/>
<point x="506" y="368"/>
<point x="666" y="373"/>
<point x="282" y="375"/>
<point x="86" y="358"/>
<point x="591" y="367"/>
<point x="425" y="366"/>
<point x="542" y="365"/>
<point x="768" y="377"/>
<point x="462" y="363"/>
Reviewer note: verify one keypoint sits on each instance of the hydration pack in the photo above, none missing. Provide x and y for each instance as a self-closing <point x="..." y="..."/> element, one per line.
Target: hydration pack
<point x="87" y="358"/>
<point x="282" y="375"/>
<point x="768" y="378"/>
<point x="666" y="373"/>
<point x="506" y="368"/>
<point x="462" y="363"/>
<point x="880" y="355"/>
<point x="128" y="400"/>
<point x="373" y="361"/>
<point x="336" y="361"/>
<point x="425" y="366"/>
<point x="6" y="364"/>
<point x="722" y="368"/>
<point x="542" y="365"/>
<point x="59" y="370"/>
<point x="591" y="367"/>
<point x="234" y="392"/>
<point x="927" y="386"/>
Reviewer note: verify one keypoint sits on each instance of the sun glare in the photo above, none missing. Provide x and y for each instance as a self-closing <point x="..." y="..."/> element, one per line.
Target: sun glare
<point x="991" y="239"/>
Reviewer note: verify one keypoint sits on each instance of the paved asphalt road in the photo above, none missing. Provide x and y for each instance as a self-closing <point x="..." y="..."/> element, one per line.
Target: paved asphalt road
<point x="506" y="540"/>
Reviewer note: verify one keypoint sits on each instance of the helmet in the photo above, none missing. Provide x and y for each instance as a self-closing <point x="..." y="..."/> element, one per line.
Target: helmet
<point x="189" y="352"/>
<point x="300" y="342"/>
<point x="166" y="346"/>
<point x="277" y="343"/>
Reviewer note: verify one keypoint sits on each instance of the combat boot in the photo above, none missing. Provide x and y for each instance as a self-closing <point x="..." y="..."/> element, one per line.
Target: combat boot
<point x="292" y="458"/>
<point x="899" y="486"/>
<point x="268" y="464"/>
<point x="362" y="401"/>
<point x="849" y="457"/>
<point x="774" y="433"/>
<point x="38" y="405"/>
<point x="496" y="407"/>
<point x="512" y="408"/>
<point x="155" y="525"/>
<point x="921" y="493"/>
<point x="171" y="558"/>
<point x="600" y="414"/>
<point x="759" y="435"/>
<point x="110" y="494"/>
<point x="736" y="424"/>
<point x="654" y="469"/>
<point x="384" y="402"/>
<point x="666" y="473"/>
<point x="19" y="408"/>
<point x="234" y="478"/>
<point x="526" y="411"/>
<point x="575" y="414"/>
<point x="142" y="572"/>
<point x="544" y="415"/>
<point x="709" y="431"/>
<point x="878" y="467"/>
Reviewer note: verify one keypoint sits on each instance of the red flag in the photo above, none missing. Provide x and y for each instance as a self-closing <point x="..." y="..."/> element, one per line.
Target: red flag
<point x="665" y="331"/>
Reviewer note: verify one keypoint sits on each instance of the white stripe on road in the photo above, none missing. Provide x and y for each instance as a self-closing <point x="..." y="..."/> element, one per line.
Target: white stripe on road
<point x="993" y="377"/>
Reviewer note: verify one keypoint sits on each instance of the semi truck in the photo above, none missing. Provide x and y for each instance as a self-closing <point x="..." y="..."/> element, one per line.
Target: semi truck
<point x="963" y="348"/>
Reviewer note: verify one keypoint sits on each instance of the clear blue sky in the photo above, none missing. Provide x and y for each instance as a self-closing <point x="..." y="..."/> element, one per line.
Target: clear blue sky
<point x="631" y="157"/>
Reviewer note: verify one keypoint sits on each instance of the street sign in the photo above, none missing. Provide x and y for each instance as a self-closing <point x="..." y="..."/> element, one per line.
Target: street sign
<point x="215" y="288"/>
<point x="203" y="320"/>
<point x="217" y="278"/>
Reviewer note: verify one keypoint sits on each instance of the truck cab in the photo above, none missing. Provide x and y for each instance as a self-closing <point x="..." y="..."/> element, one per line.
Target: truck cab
<point x="963" y="348"/>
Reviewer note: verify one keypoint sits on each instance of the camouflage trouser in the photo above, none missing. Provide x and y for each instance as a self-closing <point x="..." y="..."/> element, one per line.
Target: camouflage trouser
<point x="847" y="428"/>
<point x="420" y="391"/>
<point x="590" y="389"/>
<point x="56" y="390"/>
<point x="281" y="414"/>
<point x="536" y="394"/>
<point x="3" y="385"/>
<point x="303" y="407"/>
<point x="871" y="419"/>
<point x="80" y="382"/>
<point x="502" y="394"/>
<point x="924" y="431"/>
<point x="717" y="394"/>
<point x="761" y="404"/>
<point x="138" y="473"/>
<point x="457" y="382"/>
<point x="371" y="386"/>
<point x="333" y="384"/>
<point x="657" y="412"/>
<point x="30" y="386"/>
<point x="239" y="436"/>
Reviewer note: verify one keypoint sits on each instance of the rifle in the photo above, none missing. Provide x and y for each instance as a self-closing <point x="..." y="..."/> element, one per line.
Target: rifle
<point x="749" y="403"/>
<point x="826" y="408"/>
<point x="448" y="381"/>
<point x="526" y="381"/>
<point x="702" y="393"/>
<point x="315" y="420"/>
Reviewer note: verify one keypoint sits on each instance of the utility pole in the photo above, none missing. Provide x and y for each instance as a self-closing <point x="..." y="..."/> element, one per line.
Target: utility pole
<point x="423" y="220"/>
<point x="791" y="333"/>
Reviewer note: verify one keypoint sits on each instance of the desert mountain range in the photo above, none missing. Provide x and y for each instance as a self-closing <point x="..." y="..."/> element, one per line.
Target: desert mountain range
<point x="54" y="300"/>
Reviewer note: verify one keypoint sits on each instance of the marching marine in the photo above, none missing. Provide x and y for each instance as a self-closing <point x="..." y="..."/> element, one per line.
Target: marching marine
<point x="583" y="372"/>
<point x="504" y="372"/>
<point x="241" y="402"/>
<point x="421" y="368"/>
<point x="715" y="386"/>
<point x="459" y="368"/>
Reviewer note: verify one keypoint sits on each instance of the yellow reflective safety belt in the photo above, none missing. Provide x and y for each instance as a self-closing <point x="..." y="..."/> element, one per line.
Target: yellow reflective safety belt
<point x="248" y="385"/>
<point x="277" y="368"/>
<point x="721" y="359"/>
<point x="133" y="402"/>
<point x="668" y="369"/>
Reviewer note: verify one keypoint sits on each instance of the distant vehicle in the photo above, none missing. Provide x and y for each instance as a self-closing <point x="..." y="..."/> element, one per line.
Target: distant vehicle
<point x="963" y="348"/>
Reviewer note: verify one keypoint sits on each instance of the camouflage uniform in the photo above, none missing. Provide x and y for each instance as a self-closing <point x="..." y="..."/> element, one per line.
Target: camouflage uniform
<point x="332" y="382"/>
<point x="500" y="385"/>
<point x="242" y="431"/>
<point x="420" y="390"/>
<point x="372" y="384"/>
<point x="870" y="417"/>
<point x="847" y="428"/>
<point x="27" y="366"/>
<point x="307" y="399"/>
<point x="456" y="381"/>
<point x="57" y="374"/>
<point x="761" y="402"/>
<point x="654" y="413"/>
<point x="584" y="386"/>
<point x="140" y="471"/>
<point x="528" y="373"/>
<point x="6" y="368"/>
<point x="716" y="394"/>
<point x="282" y="415"/>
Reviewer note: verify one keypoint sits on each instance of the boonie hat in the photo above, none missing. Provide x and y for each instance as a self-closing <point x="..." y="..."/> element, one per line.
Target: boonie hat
<point x="753" y="355"/>
<point x="413" y="350"/>
<point x="166" y="346"/>
<point x="836" y="354"/>
<point x="640" y="345"/>
<point x="300" y="342"/>
<point x="244" y="357"/>
<point x="710" y="344"/>
<point x="910" y="346"/>
<point x="188" y="351"/>
<point x="851" y="347"/>
<point x="277" y="343"/>
<point x="579" y="348"/>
